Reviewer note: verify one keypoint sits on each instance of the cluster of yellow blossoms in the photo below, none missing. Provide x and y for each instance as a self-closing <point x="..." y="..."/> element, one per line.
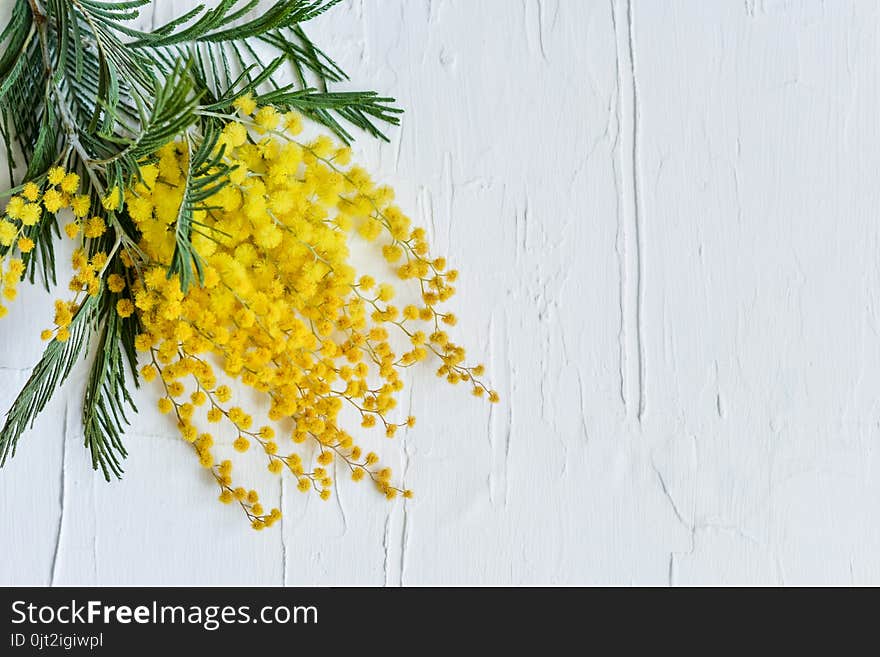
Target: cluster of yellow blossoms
<point x="281" y="309"/>
<point x="56" y="193"/>
<point x="25" y="211"/>
<point x="278" y="306"/>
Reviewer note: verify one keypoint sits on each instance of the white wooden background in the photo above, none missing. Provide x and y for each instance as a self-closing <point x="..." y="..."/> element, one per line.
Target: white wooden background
<point x="665" y="218"/>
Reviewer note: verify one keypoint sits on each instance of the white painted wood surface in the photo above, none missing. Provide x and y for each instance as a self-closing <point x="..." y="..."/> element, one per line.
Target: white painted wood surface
<point x="665" y="218"/>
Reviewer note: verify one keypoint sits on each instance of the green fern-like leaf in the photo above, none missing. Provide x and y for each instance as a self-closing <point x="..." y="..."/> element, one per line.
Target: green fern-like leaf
<point x="82" y="88"/>
<point x="52" y="370"/>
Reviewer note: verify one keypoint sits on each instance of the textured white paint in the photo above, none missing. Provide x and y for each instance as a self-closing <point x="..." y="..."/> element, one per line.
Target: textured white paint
<point x="665" y="218"/>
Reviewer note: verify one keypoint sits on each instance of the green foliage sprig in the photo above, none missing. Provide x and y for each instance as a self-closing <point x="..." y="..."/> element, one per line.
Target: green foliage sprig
<point x="83" y="89"/>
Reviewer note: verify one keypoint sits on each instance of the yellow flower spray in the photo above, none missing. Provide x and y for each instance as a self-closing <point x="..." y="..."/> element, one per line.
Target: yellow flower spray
<point x="278" y="306"/>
